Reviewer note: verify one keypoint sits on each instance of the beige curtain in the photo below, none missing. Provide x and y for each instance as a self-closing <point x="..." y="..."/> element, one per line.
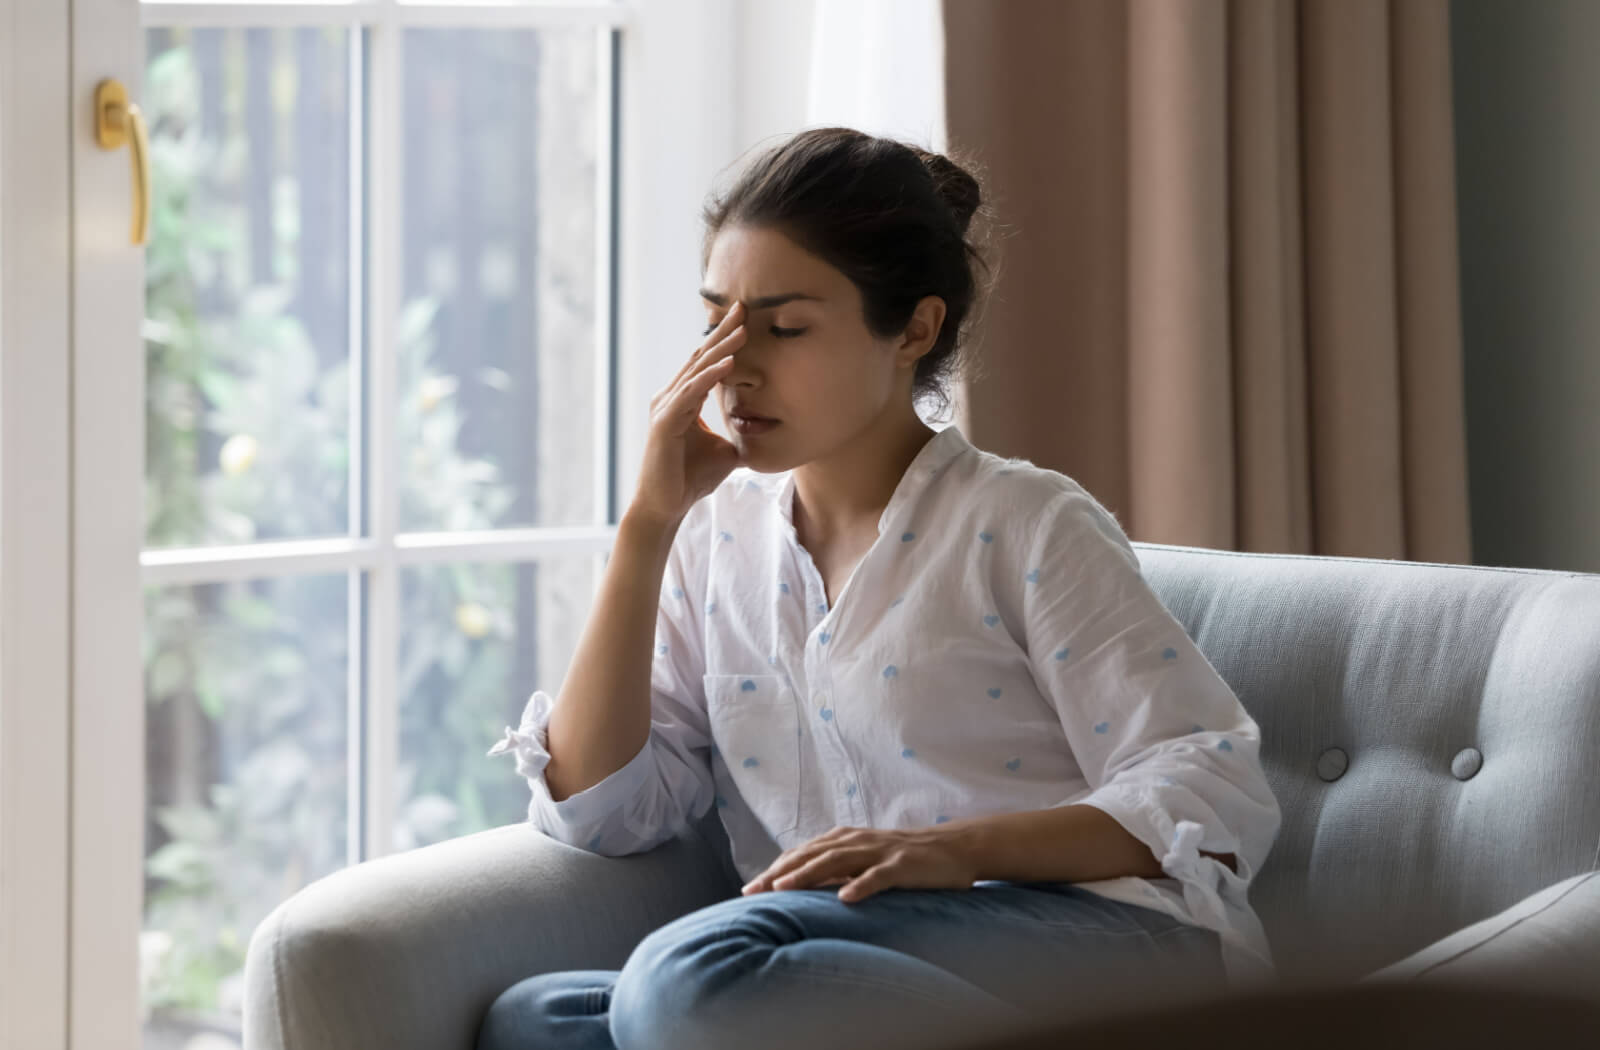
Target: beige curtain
<point x="1227" y="302"/>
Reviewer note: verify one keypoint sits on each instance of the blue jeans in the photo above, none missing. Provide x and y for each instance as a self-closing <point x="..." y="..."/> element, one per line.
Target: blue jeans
<point x="900" y="968"/>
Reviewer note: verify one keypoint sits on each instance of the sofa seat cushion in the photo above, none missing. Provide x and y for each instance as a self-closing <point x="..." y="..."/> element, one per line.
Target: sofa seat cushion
<point x="1547" y="942"/>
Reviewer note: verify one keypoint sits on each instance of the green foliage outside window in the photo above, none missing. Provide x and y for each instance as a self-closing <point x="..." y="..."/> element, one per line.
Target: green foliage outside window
<point x="248" y="437"/>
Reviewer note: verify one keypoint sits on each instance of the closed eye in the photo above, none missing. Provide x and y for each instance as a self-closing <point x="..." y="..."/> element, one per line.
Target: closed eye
<point x="781" y="333"/>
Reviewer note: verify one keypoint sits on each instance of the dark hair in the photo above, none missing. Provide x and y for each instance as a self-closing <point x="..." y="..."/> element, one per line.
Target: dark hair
<point x="891" y="216"/>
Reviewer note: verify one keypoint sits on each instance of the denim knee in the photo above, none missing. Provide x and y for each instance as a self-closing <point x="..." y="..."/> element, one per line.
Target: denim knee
<point x="507" y="1019"/>
<point x="667" y="995"/>
<point x="532" y="1013"/>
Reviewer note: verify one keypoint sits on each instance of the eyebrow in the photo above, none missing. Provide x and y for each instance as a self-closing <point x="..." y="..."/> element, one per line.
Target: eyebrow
<point x="760" y="303"/>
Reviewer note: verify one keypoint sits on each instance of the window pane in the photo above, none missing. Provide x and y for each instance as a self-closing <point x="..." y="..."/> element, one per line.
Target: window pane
<point x="477" y="641"/>
<point x="247" y="285"/>
<point x="497" y="335"/>
<point x="247" y="778"/>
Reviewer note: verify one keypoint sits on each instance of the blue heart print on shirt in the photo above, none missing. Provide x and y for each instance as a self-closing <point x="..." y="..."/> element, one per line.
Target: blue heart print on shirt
<point x="827" y="714"/>
<point x="1061" y="654"/>
<point x="940" y="819"/>
<point x="711" y="607"/>
<point x="890" y="671"/>
<point x="1103" y="727"/>
<point x="783" y="587"/>
<point x="994" y="692"/>
<point x="1169" y="654"/>
<point x="908" y="752"/>
<point x="822" y="639"/>
<point x="897" y="601"/>
<point x="990" y="620"/>
<point x="1033" y="576"/>
<point x="661" y="650"/>
<point x="725" y="536"/>
<point x="751" y="763"/>
<point x="907" y="537"/>
<point x="1224" y="745"/>
<point x="747" y="686"/>
<point x="677" y="592"/>
<point x="985" y="537"/>
<point x="1013" y="764"/>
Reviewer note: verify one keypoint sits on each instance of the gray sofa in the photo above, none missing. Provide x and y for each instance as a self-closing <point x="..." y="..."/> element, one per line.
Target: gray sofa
<point x="1431" y="731"/>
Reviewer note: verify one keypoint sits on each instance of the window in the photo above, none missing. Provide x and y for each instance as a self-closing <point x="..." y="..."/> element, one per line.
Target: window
<point x="380" y="444"/>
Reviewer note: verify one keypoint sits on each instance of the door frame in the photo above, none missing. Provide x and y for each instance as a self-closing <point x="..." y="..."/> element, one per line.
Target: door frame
<point x="71" y="520"/>
<point x="35" y="278"/>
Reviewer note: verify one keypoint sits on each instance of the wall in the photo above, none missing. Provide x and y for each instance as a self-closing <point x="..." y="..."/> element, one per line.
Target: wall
<point x="1527" y="125"/>
<point x="774" y="62"/>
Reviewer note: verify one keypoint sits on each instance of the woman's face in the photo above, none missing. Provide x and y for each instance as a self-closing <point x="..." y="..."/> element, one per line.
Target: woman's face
<point x="808" y="360"/>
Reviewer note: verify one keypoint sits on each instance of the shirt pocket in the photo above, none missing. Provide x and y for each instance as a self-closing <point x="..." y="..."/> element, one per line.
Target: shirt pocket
<point x="757" y="730"/>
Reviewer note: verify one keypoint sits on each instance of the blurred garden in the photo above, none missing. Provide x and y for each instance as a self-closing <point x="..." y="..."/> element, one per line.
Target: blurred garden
<point x="255" y="684"/>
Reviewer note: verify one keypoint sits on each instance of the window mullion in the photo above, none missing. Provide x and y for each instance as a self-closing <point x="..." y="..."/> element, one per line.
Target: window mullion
<point x="384" y="253"/>
<point x="355" y="600"/>
<point x="605" y="279"/>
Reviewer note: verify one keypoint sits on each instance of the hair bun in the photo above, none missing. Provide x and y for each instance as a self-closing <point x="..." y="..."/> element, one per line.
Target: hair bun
<point x="954" y="184"/>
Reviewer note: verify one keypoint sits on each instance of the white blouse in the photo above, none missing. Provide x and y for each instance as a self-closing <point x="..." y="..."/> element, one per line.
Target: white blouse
<point x="995" y="650"/>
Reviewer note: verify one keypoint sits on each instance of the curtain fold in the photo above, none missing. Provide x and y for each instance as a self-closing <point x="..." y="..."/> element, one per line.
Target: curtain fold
<point x="1228" y="300"/>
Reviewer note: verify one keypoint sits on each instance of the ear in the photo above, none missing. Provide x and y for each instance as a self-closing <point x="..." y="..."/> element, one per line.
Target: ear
<point x="922" y="331"/>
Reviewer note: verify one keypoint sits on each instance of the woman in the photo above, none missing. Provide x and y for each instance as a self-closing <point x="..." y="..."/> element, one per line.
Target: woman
<point x="895" y="663"/>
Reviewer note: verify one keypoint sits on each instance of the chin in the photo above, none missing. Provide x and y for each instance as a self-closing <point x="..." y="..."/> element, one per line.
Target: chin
<point x="755" y="459"/>
<point x="760" y="460"/>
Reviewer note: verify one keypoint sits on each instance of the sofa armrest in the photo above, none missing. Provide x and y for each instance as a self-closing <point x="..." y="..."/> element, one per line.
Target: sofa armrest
<point x="1548" y="942"/>
<point x="407" y="952"/>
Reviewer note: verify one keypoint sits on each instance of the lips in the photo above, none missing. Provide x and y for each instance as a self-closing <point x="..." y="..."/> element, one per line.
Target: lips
<point x="738" y="413"/>
<point x="752" y="427"/>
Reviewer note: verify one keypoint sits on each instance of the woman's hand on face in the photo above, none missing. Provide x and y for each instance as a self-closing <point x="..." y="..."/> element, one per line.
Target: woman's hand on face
<point x="683" y="458"/>
<point x="867" y="860"/>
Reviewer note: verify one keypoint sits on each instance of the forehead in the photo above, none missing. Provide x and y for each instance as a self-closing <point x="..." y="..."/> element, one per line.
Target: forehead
<point x="750" y="263"/>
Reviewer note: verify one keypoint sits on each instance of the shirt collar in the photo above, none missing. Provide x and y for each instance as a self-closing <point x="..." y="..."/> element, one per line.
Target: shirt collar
<point x="930" y="460"/>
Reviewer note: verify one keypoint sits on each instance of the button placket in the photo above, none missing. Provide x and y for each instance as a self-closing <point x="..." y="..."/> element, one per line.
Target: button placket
<point x="830" y="742"/>
<point x="817" y="611"/>
<point x="821" y="621"/>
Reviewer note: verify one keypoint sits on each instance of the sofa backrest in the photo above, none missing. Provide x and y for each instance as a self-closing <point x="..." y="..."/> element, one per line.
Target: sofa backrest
<point x="1431" y="732"/>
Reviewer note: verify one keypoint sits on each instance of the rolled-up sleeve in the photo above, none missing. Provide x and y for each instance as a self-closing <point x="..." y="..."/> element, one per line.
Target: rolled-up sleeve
<point x="666" y="785"/>
<point x="1165" y="745"/>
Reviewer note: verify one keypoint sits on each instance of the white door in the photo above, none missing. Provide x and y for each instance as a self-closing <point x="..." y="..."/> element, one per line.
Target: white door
<point x="301" y="497"/>
<point x="71" y="725"/>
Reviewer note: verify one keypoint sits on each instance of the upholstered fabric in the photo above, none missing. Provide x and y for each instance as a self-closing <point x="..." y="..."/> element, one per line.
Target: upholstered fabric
<point x="1429" y="730"/>
<point x="1548" y="942"/>
<point x="1402" y="667"/>
<point x="407" y="952"/>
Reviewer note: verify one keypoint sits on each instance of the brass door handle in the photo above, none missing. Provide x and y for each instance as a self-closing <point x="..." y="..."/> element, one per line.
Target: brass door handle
<point x="117" y="122"/>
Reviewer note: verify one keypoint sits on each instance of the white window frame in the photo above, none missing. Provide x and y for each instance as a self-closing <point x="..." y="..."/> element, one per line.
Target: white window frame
<point x="381" y="551"/>
<point x="72" y="776"/>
